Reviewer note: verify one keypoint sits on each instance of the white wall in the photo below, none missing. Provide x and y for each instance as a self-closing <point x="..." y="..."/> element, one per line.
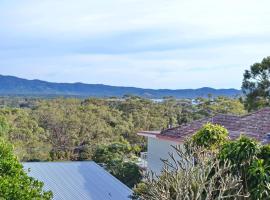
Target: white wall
<point x="157" y="150"/>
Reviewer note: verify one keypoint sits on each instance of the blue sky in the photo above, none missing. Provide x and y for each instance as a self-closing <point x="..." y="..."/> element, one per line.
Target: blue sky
<point x="149" y="44"/>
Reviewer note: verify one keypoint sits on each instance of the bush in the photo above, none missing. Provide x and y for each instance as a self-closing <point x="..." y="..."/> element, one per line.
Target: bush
<point x="240" y="152"/>
<point x="14" y="182"/>
<point x="210" y="136"/>
<point x="247" y="157"/>
<point x="265" y="154"/>
<point x="206" y="179"/>
<point x="118" y="159"/>
<point x="4" y="126"/>
<point x="127" y="172"/>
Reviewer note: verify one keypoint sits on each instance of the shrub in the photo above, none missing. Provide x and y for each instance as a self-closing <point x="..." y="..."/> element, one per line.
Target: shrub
<point x="184" y="179"/>
<point x="4" y="126"/>
<point x="265" y="154"/>
<point x="245" y="153"/>
<point x="240" y="152"/>
<point x="118" y="159"/>
<point x="14" y="182"/>
<point x="210" y="136"/>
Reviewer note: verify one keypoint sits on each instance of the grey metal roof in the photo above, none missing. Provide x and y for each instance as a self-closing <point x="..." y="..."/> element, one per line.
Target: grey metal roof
<point x="78" y="180"/>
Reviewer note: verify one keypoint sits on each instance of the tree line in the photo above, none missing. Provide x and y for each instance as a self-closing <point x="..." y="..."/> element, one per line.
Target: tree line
<point x="72" y="129"/>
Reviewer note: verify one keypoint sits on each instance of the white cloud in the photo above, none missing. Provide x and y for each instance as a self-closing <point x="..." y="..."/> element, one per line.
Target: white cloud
<point x="153" y="43"/>
<point x="209" y="17"/>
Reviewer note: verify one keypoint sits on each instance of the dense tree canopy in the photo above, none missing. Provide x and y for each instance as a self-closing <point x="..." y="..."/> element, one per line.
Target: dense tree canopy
<point x="71" y="129"/>
<point x="256" y="85"/>
<point x="22" y="130"/>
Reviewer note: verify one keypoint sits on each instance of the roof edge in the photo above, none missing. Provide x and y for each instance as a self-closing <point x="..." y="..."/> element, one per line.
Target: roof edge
<point x="152" y="134"/>
<point x="169" y="138"/>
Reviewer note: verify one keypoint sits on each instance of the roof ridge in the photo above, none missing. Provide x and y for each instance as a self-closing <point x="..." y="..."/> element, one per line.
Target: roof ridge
<point x="231" y="115"/>
<point x="185" y="124"/>
<point x="257" y="111"/>
<point x="199" y="120"/>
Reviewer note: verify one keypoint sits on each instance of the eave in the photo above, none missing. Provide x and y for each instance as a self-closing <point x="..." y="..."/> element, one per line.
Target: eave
<point x="157" y="135"/>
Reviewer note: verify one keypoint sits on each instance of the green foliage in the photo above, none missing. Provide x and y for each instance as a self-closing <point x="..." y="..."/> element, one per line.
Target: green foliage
<point x="4" y="126"/>
<point x="126" y="171"/>
<point x="71" y="129"/>
<point x="182" y="178"/>
<point x="241" y="151"/>
<point x="140" y="190"/>
<point x="118" y="159"/>
<point x="265" y="154"/>
<point x="259" y="179"/>
<point x="113" y="151"/>
<point x="256" y="85"/>
<point x="244" y="154"/>
<point x="28" y="138"/>
<point x="220" y="105"/>
<point x="14" y="182"/>
<point x="210" y="136"/>
<point x="77" y="127"/>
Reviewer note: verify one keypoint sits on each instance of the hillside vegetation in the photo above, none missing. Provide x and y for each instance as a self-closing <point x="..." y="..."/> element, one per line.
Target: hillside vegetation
<point x="17" y="86"/>
<point x="72" y="129"/>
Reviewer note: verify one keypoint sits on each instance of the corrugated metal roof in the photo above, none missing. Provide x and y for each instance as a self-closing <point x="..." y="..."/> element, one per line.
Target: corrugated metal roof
<point x="78" y="180"/>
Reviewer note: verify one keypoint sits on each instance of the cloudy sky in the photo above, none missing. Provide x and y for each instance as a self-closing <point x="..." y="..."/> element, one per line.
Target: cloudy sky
<point x="143" y="43"/>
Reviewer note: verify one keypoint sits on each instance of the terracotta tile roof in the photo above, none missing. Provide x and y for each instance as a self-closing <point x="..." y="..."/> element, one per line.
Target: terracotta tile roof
<point x="255" y="125"/>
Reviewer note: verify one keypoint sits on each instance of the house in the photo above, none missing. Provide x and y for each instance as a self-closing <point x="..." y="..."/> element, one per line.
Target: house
<point x="255" y="125"/>
<point x="78" y="180"/>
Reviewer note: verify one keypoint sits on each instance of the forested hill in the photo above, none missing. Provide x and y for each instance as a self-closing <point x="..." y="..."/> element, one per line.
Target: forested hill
<point x="10" y="85"/>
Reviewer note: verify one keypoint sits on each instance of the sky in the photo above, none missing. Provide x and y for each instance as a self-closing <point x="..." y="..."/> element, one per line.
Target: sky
<point x="171" y="44"/>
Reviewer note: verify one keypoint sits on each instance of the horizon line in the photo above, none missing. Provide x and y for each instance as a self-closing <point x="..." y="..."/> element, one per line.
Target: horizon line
<point x="83" y="83"/>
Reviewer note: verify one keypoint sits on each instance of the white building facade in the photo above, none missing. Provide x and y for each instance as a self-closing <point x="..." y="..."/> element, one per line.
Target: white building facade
<point x="157" y="150"/>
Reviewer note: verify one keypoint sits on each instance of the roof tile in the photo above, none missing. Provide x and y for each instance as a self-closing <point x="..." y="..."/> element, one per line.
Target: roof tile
<point x="255" y="125"/>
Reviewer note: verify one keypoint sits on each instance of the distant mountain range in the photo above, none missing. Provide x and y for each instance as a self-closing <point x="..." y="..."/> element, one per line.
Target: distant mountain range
<point x="14" y="86"/>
